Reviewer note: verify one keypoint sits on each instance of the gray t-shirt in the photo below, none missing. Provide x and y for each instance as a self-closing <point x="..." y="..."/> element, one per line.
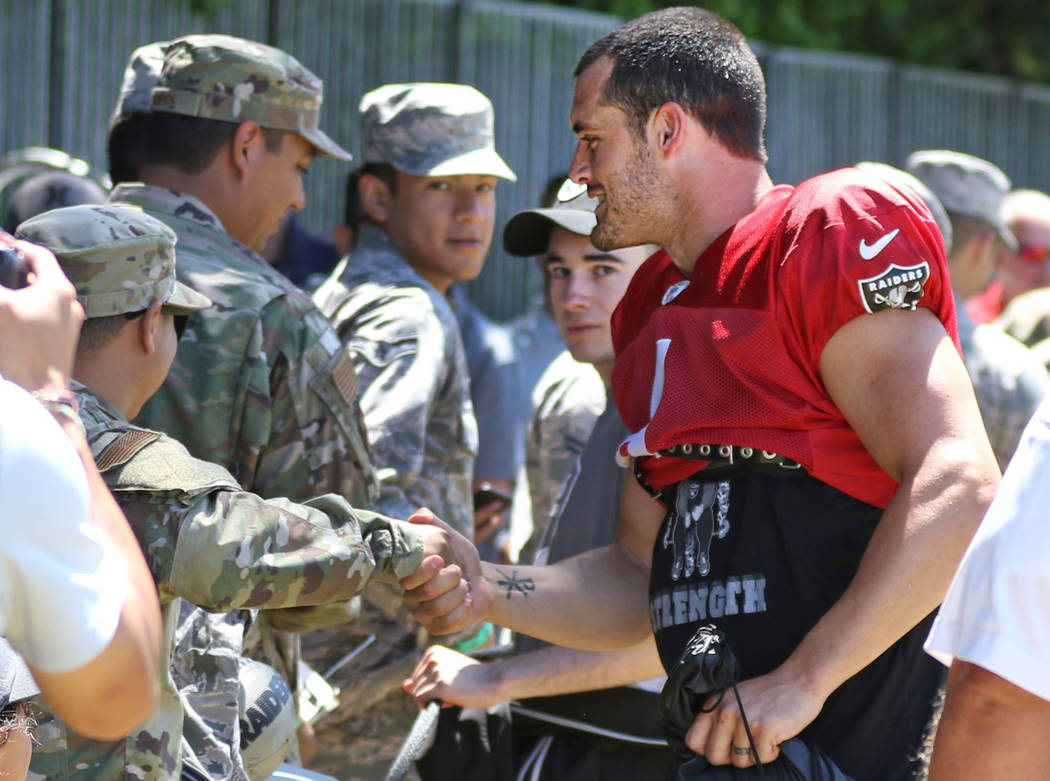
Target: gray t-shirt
<point x="588" y="511"/>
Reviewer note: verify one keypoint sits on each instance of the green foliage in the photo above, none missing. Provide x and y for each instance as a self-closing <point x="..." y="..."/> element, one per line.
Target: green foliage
<point x="1001" y="37"/>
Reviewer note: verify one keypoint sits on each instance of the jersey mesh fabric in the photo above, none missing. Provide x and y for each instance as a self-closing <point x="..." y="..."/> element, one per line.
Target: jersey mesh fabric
<point x="746" y="333"/>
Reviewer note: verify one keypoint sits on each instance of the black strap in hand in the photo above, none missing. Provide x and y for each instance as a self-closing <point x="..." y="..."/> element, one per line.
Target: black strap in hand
<point x="707" y="668"/>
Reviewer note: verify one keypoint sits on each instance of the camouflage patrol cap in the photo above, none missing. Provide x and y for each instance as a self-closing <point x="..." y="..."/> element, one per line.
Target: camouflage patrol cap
<point x="528" y="233"/>
<point x="120" y="260"/>
<point x="140" y="77"/>
<point x="964" y="184"/>
<point x="234" y="80"/>
<point x="49" y="190"/>
<point x="430" y="129"/>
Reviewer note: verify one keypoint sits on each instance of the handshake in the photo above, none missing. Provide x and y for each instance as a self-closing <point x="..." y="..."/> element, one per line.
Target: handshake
<point x="447" y="592"/>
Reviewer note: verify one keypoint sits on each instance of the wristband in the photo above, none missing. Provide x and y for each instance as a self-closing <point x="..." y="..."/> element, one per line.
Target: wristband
<point x="62" y="405"/>
<point x="477" y="640"/>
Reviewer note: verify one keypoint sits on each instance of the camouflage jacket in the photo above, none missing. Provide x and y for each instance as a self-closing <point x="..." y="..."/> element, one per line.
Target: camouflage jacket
<point x="567" y="401"/>
<point x="205" y="666"/>
<point x="212" y="544"/>
<point x="415" y="390"/>
<point x="260" y="383"/>
<point x="1008" y="379"/>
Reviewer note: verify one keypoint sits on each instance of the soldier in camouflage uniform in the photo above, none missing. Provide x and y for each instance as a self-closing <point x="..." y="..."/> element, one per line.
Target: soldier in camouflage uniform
<point x="219" y="137"/>
<point x="427" y="188"/>
<point x="1008" y="379"/>
<point x="259" y="383"/>
<point x="206" y="540"/>
<point x="198" y="634"/>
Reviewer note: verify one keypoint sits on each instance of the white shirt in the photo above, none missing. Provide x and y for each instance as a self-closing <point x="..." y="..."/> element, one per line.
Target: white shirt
<point x="997" y="612"/>
<point x="61" y="589"/>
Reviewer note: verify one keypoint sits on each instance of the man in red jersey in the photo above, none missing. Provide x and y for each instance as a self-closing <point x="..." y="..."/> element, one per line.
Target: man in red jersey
<point x="789" y="368"/>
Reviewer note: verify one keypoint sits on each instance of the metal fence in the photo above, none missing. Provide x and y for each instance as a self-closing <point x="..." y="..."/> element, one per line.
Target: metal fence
<point x="61" y="62"/>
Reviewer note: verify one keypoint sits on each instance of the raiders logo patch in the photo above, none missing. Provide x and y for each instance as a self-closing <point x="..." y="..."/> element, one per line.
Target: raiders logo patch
<point x="898" y="287"/>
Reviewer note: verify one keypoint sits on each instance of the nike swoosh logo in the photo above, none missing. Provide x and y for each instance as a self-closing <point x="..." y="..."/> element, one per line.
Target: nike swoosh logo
<point x="868" y="251"/>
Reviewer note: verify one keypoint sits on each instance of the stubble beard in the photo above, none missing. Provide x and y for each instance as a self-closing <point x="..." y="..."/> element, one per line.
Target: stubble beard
<point x="629" y="218"/>
<point x="605" y="235"/>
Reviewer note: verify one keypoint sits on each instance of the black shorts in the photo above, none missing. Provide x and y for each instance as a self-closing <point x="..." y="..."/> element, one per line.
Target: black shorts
<point x="763" y="556"/>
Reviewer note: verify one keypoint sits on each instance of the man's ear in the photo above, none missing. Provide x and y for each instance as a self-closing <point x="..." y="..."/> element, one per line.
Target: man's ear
<point x="247" y="142"/>
<point x="667" y="128"/>
<point x="149" y="328"/>
<point x="376" y="197"/>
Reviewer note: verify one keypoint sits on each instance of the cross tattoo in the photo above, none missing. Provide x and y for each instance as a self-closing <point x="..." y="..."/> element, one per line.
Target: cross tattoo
<point x="513" y="583"/>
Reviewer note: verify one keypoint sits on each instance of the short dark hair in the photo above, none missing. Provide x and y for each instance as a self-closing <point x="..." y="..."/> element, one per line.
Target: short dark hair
<point x="124" y="149"/>
<point x="385" y="172"/>
<point x="98" y="332"/>
<point x="694" y="58"/>
<point x="353" y="210"/>
<point x="188" y="144"/>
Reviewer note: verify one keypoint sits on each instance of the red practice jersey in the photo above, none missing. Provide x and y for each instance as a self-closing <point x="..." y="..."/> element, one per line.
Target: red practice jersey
<point x="731" y="354"/>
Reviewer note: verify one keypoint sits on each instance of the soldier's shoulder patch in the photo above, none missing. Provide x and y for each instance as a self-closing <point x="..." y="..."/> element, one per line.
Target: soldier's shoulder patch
<point x="898" y="287"/>
<point x="124" y="448"/>
<point x="345" y="378"/>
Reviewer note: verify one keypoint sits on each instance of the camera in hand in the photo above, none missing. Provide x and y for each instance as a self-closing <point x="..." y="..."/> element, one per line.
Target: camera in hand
<point x="14" y="268"/>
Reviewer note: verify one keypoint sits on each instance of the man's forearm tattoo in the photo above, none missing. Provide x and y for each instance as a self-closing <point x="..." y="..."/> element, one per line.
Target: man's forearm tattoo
<point x="513" y="583"/>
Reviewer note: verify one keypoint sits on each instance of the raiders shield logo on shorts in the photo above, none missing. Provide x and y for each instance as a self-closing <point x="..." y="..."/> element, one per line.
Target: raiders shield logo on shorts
<point x="898" y="287"/>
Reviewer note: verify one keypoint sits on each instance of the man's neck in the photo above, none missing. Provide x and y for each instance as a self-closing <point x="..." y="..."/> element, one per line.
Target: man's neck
<point x="706" y="212"/>
<point x="209" y="189"/>
<point x="109" y="380"/>
<point x="605" y="371"/>
<point x="439" y="281"/>
<point x="173" y="179"/>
